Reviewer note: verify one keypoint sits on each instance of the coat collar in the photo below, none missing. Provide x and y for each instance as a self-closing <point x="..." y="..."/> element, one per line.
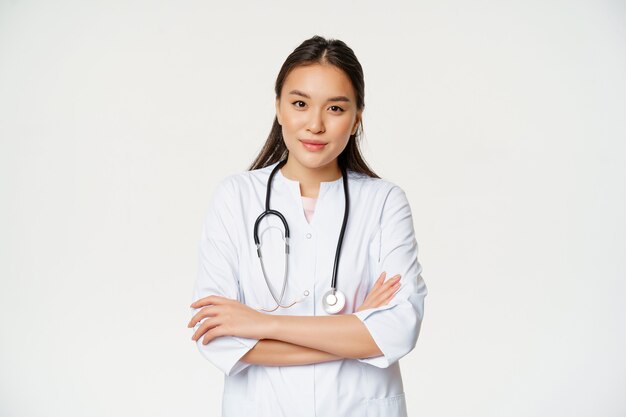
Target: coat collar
<point x="294" y="185"/>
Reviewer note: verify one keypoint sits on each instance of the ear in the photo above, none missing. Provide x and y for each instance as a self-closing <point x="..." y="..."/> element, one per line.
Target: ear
<point x="356" y="122"/>
<point x="277" y="104"/>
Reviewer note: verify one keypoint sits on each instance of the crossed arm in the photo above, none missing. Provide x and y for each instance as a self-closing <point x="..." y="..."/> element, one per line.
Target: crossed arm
<point x="351" y="342"/>
<point x="272" y="352"/>
<point x="293" y="340"/>
<point x="298" y="340"/>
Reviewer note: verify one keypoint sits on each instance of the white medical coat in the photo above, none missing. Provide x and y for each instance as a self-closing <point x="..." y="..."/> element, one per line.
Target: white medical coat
<point x="379" y="237"/>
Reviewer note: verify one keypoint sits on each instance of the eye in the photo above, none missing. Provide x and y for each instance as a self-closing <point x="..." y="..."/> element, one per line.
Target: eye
<point x="298" y="101"/>
<point x="339" y="109"/>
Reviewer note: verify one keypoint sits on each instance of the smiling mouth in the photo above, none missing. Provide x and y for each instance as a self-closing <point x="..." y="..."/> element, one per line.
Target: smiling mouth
<point x="313" y="142"/>
<point x="313" y="145"/>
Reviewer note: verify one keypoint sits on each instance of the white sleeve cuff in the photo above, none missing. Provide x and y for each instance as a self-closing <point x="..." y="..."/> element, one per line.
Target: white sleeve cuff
<point x="225" y="352"/>
<point x="394" y="328"/>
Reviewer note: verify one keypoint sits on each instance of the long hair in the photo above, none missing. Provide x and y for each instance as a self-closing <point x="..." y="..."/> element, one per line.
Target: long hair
<point x="318" y="50"/>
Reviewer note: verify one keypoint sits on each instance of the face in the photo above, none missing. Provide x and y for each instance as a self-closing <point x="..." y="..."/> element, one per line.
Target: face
<point x="317" y="105"/>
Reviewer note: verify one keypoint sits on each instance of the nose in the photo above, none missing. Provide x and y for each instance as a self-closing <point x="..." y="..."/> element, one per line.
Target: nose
<point x="316" y="122"/>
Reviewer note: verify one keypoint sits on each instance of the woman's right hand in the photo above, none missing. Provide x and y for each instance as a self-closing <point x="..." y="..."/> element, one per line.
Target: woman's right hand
<point x="381" y="293"/>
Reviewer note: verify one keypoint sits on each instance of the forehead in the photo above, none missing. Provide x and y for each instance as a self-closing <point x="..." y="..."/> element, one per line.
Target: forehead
<point x="319" y="81"/>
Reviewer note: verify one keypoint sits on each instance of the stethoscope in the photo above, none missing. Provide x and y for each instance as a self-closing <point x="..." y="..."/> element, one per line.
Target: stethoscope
<point x="334" y="300"/>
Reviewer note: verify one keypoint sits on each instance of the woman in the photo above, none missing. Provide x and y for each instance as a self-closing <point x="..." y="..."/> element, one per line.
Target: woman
<point x="301" y="347"/>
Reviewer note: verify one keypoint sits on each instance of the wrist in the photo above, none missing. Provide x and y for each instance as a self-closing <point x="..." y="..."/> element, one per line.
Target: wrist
<point x="270" y="329"/>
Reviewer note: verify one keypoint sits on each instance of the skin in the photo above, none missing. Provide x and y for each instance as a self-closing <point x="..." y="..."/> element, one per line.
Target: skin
<point x="320" y="116"/>
<point x="317" y="102"/>
<point x="273" y="352"/>
<point x="287" y="340"/>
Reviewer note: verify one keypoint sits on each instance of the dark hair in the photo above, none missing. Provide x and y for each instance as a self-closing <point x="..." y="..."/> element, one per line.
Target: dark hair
<point x="318" y="50"/>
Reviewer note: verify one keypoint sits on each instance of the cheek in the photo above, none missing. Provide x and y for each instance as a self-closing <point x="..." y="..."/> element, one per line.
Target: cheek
<point x="342" y="125"/>
<point x="293" y="120"/>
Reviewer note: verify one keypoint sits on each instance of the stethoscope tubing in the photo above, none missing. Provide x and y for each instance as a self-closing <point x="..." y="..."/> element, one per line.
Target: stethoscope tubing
<point x="268" y="211"/>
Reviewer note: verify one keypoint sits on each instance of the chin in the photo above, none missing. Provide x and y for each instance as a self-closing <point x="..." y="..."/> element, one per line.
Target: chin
<point x="317" y="164"/>
<point x="309" y="161"/>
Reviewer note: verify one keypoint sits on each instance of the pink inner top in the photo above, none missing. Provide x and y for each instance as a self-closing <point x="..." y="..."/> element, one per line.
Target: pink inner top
<point x="309" y="207"/>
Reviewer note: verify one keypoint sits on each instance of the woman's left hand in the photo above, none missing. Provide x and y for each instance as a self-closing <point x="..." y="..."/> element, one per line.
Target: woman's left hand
<point x="226" y="317"/>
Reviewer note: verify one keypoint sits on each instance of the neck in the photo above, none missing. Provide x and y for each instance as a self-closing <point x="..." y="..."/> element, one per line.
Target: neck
<point x="310" y="178"/>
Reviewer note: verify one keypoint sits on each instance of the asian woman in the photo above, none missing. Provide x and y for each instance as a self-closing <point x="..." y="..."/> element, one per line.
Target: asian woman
<point x="347" y="231"/>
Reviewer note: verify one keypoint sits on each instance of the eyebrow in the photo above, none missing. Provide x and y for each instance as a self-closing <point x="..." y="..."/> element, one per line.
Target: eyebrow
<point x="337" y="98"/>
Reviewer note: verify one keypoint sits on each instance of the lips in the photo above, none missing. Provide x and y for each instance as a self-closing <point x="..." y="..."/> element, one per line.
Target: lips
<point x="313" y="142"/>
<point x="313" y="145"/>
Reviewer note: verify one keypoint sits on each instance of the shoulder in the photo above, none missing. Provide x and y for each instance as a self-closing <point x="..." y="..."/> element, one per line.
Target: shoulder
<point x="238" y="183"/>
<point x="385" y="201"/>
<point x="377" y="189"/>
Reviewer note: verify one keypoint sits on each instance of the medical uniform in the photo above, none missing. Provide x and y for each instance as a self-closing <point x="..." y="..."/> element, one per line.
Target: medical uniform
<point x="379" y="237"/>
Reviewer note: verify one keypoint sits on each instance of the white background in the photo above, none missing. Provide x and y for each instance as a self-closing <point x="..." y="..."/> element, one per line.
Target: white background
<point x="503" y="121"/>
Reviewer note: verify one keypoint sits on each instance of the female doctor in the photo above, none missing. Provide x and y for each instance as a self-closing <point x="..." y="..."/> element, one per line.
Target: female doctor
<point x="292" y="303"/>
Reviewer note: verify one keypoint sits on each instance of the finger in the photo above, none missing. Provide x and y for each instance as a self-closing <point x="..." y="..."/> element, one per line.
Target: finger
<point x="209" y="311"/>
<point x="376" y="286"/>
<point x="377" y="293"/>
<point x="206" y="326"/>
<point x="395" y="289"/>
<point x="210" y="300"/>
<point x="380" y="301"/>
<point x="211" y="334"/>
<point x="380" y="291"/>
<point x="380" y="280"/>
<point x="197" y="317"/>
<point x="385" y="292"/>
<point x="392" y="293"/>
<point x="392" y="280"/>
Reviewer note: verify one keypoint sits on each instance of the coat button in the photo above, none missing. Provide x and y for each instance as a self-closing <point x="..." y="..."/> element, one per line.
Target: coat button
<point x="308" y="236"/>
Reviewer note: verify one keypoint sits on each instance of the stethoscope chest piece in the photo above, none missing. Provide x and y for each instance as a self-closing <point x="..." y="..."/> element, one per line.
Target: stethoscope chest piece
<point x="334" y="301"/>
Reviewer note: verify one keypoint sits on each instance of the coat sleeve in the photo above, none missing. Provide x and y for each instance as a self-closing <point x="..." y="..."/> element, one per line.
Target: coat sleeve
<point x="396" y="326"/>
<point x="218" y="275"/>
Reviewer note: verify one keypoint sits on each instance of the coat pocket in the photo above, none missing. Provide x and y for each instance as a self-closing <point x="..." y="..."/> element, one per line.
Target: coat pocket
<point x="394" y="406"/>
